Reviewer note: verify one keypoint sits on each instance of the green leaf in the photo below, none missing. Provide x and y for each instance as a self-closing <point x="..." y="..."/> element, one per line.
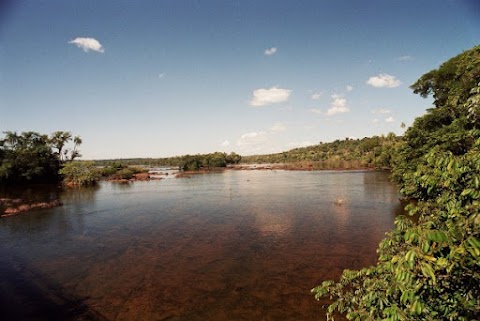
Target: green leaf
<point x="427" y="271"/>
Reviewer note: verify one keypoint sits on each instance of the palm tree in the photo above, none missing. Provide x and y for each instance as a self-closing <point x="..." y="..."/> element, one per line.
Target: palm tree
<point x="77" y="141"/>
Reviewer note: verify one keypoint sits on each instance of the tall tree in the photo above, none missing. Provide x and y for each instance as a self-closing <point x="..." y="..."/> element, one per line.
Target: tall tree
<point x="58" y="140"/>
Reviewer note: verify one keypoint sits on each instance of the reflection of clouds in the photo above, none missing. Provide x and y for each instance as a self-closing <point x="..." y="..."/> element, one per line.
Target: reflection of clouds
<point x="273" y="224"/>
<point x="341" y="211"/>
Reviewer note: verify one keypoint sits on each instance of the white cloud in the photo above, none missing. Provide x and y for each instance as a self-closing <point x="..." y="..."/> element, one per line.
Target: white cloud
<point x="161" y="75"/>
<point x="270" y="51"/>
<point x="405" y="58"/>
<point x="384" y="81"/>
<point x="252" y="139"/>
<point x="316" y="111"/>
<point x="226" y="143"/>
<point x="262" y="96"/>
<point x="317" y="95"/>
<point x="278" y="127"/>
<point x="349" y="88"/>
<point x="87" y="44"/>
<point x="381" y="111"/>
<point x="337" y="106"/>
<point x="389" y="119"/>
<point x="375" y="121"/>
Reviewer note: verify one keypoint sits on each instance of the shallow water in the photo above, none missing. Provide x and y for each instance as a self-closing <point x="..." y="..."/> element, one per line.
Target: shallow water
<point x="238" y="245"/>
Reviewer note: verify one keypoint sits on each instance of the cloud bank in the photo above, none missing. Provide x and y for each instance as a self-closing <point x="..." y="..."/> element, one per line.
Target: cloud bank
<point x="262" y="96"/>
<point x="88" y="44"/>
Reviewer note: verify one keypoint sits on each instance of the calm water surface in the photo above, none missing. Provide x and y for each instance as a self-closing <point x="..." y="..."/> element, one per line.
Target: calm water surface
<point x="238" y="245"/>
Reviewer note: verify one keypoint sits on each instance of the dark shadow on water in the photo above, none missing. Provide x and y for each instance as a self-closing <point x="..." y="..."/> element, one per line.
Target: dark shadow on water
<point x="26" y="295"/>
<point x="33" y="193"/>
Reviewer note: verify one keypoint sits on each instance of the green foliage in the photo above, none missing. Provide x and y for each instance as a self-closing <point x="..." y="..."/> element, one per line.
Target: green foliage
<point x="59" y="140"/>
<point x="111" y="169"/>
<point x="125" y="173"/>
<point x="368" y="152"/>
<point x="207" y="161"/>
<point x="429" y="270"/>
<point x="116" y="170"/>
<point x="456" y="92"/>
<point x="186" y="162"/>
<point x="80" y="173"/>
<point x="233" y="158"/>
<point x="31" y="157"/>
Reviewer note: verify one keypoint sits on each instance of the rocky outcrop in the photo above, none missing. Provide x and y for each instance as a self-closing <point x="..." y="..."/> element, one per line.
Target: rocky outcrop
<point x="135" y="178"/>
<point x="16" y="206"/>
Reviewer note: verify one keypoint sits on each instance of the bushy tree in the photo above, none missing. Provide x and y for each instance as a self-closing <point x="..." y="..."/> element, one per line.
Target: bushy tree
<point x="429" y="270"/>
<point x="59" y="142"/>
<point x="448" y="124"/>
<point x="233" y="158"/>
<point x="27" y="158"/>
<point x="31" y="157"/>
<point x="80" y="173"/>
<point x="207" y="161"/>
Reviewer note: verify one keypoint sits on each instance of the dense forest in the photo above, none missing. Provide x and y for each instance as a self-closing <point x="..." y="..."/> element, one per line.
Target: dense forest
<point x="430" y="269"/>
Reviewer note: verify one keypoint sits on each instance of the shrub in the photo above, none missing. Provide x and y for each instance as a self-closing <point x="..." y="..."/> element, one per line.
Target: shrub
<point x="80" y="173"/>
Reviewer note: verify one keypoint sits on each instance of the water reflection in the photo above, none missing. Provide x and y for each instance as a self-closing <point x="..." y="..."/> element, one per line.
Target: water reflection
<point x="31" y="193"/>
<point x="230" y="246"/>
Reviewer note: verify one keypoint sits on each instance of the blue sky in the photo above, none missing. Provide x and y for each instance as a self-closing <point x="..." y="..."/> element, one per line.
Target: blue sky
<point x="172" y="77"/>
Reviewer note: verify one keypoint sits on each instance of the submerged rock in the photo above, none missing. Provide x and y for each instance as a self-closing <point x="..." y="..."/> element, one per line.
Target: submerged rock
<point x="12" y="210"/>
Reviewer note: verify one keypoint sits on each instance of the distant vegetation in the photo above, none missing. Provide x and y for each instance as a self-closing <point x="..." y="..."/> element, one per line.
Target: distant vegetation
<point x="429" y="270"/>
<point x="368" y="152"/>
<point x="186" y="162"/>
<point x="87" y="173"/>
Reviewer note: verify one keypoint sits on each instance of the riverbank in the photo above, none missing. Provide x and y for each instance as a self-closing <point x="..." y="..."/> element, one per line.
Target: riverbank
<point x="301" y="167"/>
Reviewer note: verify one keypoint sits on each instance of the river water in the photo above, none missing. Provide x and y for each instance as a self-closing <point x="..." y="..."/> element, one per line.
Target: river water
<point x="237" y="245"/>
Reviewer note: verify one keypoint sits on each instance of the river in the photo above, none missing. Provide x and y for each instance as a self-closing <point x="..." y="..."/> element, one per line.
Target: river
<point x="237" y="245"/>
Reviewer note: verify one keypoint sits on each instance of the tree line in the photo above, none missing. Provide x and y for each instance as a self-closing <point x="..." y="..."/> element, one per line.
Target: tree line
<point x="185" y="162"/>
<point x="31" y="158"/>
<point x="368" y="152"/>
